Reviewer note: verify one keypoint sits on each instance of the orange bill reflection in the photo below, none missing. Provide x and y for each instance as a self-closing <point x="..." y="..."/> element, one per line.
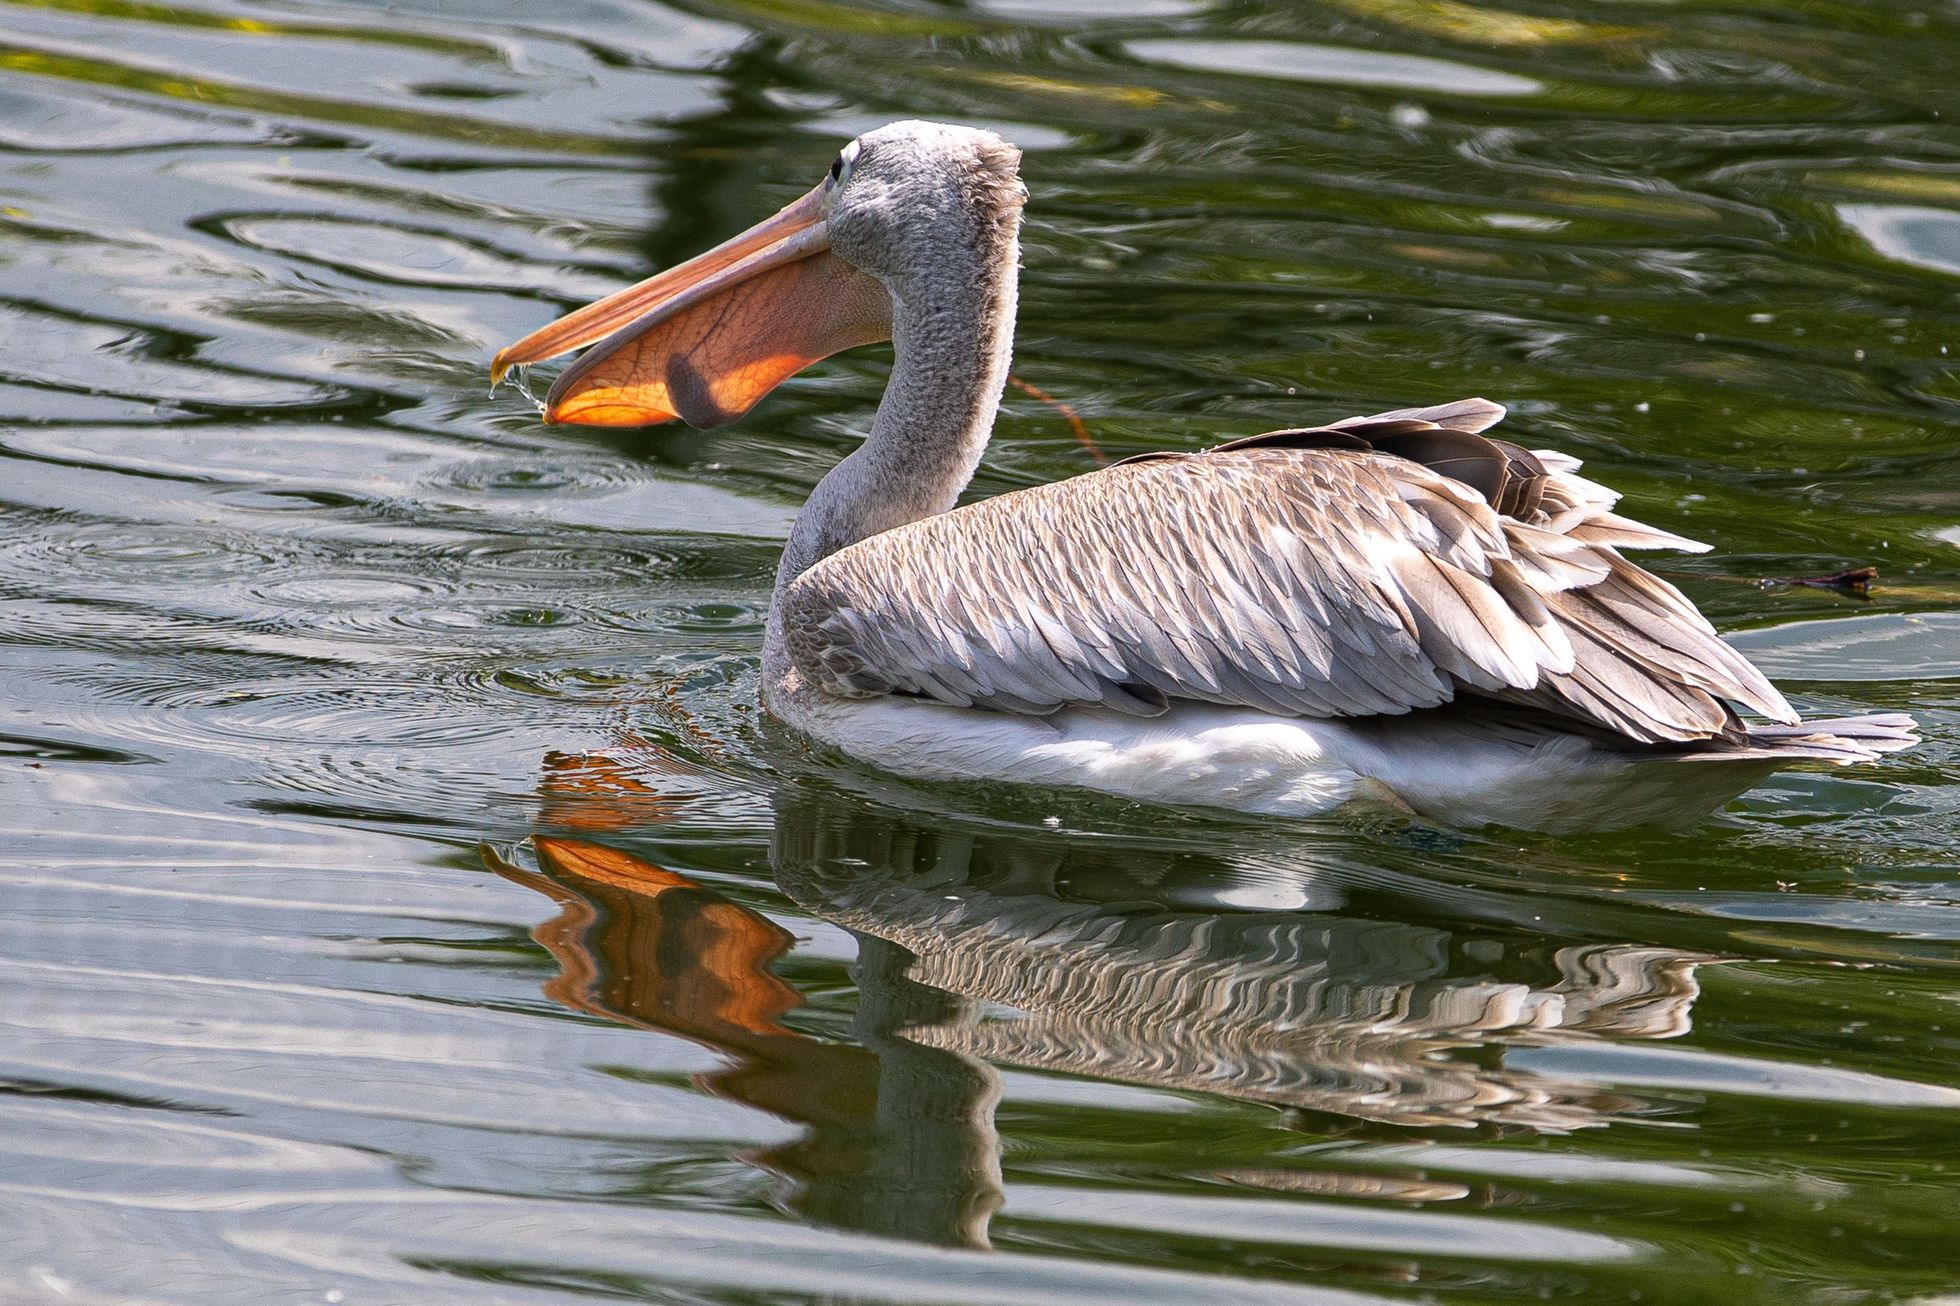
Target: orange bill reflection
<point x="648" y="947"/>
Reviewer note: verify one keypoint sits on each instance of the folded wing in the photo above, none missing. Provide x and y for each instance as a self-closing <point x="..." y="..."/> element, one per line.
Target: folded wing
<point x="1372" y="566"/>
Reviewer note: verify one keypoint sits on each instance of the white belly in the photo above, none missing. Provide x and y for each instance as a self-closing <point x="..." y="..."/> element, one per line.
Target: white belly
<point x="1199" y="755"/>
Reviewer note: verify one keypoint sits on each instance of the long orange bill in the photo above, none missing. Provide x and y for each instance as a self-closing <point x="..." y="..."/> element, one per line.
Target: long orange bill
<point x="708" y="339"/>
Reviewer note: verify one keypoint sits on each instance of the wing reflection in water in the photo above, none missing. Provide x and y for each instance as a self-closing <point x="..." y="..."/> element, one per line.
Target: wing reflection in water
<point x="1341" y="1014"/>
<point x="983" y="946"/>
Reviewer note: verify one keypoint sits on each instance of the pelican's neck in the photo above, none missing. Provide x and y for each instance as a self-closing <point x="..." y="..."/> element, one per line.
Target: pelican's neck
<point x="952" y="336"/>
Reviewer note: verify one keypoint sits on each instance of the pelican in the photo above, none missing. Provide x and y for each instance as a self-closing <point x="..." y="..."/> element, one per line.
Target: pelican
<point x="1394" y="609"/>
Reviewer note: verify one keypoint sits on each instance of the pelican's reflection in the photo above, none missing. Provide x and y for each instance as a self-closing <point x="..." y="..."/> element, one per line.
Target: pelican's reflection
<point x="981" y="947"/>
<point x="1362" y="1018"/>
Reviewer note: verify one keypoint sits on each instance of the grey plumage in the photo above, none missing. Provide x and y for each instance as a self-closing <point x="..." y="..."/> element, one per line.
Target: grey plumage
<point x="1373" y="566"/>
<point x="1360" y="571"/>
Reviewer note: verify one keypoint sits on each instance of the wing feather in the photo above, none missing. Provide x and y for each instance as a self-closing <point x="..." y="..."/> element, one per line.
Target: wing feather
<point x="1302" y="573"/>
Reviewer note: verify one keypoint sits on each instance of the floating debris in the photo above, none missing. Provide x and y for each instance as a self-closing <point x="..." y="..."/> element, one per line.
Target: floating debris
<point x="1854" y="580"/>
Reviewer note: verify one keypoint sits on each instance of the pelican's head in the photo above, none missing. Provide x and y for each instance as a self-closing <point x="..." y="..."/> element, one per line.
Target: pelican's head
<point x="911" y="210"/>
<point x="911" y="199"/>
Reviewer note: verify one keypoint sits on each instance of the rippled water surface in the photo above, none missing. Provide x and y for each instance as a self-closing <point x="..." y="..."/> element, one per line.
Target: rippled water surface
<point x="404" y="901"/>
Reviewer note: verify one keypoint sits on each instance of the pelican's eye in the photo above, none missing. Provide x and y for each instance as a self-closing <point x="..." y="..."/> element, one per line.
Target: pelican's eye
<point x="840" y="167"/>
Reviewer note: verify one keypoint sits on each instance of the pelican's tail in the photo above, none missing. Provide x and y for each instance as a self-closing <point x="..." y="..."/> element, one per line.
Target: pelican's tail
<point x="1830" y="739"/>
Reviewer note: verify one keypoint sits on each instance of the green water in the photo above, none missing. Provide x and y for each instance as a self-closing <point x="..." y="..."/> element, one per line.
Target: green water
<point x="401" y="899"/>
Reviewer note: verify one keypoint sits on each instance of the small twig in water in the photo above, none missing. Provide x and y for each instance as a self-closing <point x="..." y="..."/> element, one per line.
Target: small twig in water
<point x="1853" y="580"/>
<point x="1069" y="415"/>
